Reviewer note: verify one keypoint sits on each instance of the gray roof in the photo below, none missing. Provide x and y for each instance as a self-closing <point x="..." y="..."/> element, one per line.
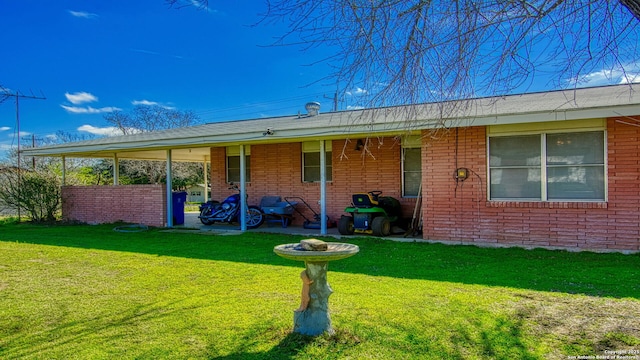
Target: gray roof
<point x="193" y="143"/>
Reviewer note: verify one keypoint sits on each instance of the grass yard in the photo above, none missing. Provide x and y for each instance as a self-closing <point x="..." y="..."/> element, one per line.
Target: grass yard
<point x="88" y="292"/>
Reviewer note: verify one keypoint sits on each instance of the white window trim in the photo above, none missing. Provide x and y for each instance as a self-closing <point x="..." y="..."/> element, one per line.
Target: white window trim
<point x="412" y="146"/>
<point x="314" y="147"/>
<point x="234" y="151"/>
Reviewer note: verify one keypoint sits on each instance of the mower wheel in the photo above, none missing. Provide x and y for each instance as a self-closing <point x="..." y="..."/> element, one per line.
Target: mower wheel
<point x="381" y="226"/>
<point x="345" y="225"/>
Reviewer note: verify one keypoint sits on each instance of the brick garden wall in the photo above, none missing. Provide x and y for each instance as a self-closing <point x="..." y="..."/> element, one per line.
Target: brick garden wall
<point x="460" y="212"/>
<point x="276" y="169"/>
<point x="139" y="204"/>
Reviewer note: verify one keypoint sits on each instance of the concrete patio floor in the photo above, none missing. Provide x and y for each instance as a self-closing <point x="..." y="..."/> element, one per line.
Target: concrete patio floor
<point x="191" y="221"/>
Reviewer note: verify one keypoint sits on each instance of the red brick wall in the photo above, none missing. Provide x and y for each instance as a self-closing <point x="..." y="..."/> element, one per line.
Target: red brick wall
<point x="461" y="213"/>
<point x="139" y="204"/>
<point x="276" y="169"/>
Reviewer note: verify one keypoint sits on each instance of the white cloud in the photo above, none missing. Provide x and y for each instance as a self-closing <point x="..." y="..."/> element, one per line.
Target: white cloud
<point x="106" y="131"/>
<point x="627" y="75"/>
<point x="82" y="14"/>
<point x="354" y="107"/>
<point x="151" y="103"/>
<point x="89" y="109"/>
<point x="357" y="92"/>
<point x="144" y="102"/>
<point x="5" y="128"/>
<point x="80" y="97"/>
<point x="630" y="78"/>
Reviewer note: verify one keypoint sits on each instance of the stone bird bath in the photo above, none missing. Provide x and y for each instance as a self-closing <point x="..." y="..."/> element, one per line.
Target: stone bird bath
<point x="312" y="317"/>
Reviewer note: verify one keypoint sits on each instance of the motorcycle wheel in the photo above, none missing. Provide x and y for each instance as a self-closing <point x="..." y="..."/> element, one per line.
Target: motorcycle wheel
<point x="204" y="214"/>
<point x="254" y="217"/>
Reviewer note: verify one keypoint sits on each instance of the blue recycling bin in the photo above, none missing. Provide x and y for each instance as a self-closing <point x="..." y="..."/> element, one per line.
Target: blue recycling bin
<point x="178" y="199"/>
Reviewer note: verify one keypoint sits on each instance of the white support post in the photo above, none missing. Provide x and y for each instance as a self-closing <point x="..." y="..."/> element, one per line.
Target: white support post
<point x="169" y="192"/>
<point x="243" y="188"/>
<point x="323" y="189"/>
<point x="206" y="181"/>
<point x="116" y="170"/>
<point x="64" y="171"/>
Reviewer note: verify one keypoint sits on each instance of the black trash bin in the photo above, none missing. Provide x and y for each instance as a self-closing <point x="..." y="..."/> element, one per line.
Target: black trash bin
<point x="178" y="200"/>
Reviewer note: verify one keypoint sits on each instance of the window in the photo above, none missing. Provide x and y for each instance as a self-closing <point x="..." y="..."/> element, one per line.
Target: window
<point x="311" y="161"/>
<point x="411" y="166"/>
<point x="548" y="167"/>
<point x="233" y="164"/>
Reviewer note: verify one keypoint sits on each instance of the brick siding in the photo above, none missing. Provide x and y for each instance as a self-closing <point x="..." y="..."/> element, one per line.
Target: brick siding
<point x="276" y="169"/>
<point x="138" y="204"/>
<point x="457" y="212"/>
<point x="460" y="212"/>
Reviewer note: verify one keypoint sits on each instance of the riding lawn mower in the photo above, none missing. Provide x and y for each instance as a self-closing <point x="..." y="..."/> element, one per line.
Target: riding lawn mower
<point x="370" y="213"/>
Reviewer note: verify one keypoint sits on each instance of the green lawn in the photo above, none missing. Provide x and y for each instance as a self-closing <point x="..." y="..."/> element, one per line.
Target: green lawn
<point x="88" y="292"/>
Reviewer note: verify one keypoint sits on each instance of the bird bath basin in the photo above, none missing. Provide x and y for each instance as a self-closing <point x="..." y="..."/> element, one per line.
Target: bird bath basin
<point x="312" y="317"/>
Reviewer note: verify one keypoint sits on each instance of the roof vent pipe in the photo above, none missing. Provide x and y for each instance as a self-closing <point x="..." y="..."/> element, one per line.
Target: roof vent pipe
<point x="313" y="108"/>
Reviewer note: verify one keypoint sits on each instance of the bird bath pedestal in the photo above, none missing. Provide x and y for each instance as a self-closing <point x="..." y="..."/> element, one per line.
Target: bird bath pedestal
<point x="312" y="317"/>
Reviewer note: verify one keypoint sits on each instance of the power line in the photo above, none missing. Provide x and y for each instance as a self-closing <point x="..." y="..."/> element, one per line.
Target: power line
<point x="256" y="105"/>
<point x="17" y="95"/>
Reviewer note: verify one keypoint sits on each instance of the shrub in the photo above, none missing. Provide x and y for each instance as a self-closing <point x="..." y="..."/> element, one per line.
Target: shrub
<point x="37" y="193"/>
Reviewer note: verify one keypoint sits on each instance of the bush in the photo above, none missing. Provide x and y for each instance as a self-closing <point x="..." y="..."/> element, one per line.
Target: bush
<point x="37" y="193"/>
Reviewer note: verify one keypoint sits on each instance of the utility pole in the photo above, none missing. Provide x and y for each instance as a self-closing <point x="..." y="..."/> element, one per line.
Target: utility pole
<point x="6" y="94"/>
<point x="335" y="100"/>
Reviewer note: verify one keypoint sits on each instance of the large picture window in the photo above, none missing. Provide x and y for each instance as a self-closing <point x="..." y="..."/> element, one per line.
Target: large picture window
<point x="311" y="161"/>
<point x="548" y="167"/>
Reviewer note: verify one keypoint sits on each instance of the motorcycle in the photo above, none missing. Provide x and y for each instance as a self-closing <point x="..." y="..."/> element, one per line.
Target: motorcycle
<point x="229" y="211"/>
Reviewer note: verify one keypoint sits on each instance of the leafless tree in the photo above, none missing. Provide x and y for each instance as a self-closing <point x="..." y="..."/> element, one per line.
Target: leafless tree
<point x="152" y="118"/>
<point x="394" y="52"/>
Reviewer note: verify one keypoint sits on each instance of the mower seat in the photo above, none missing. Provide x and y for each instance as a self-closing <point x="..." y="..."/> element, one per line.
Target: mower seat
<point x="364" y="200"/>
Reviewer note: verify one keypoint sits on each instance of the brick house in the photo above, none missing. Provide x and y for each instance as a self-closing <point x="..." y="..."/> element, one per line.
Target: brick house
<point x="553" y="169"/>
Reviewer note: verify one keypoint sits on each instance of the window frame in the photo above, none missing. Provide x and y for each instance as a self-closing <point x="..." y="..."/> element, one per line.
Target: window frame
<point x="309" y="147"/>
<point x="544" y="165"/>
<point x="413" y="143"/>
<point x="234" y="152"/>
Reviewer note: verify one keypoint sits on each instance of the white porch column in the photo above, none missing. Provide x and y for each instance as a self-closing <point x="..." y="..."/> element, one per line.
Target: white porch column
<point x="323" y="189"/>
<point x="116" y="170"/>
<point x="169" y="192"/>
<point x="206" y="181"/>
<point x="243" y="188"/>
<point x="64" y="171"/>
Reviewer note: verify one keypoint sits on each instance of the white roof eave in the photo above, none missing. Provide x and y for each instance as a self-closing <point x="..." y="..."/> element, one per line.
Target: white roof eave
<point x="622" y="100"/>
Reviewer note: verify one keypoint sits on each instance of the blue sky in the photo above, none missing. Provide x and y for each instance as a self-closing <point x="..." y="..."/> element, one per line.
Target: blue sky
<point x="91" y="57"/>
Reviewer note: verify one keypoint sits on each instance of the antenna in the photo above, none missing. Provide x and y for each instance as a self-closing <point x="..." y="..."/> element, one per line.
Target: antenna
<point x="5" y="95"/>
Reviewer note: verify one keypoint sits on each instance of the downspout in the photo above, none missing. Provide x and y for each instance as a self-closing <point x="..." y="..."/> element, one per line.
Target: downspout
<point x="323" y="190"/>
<point x="243" y="188"/>
<point x="169" y="192"/>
